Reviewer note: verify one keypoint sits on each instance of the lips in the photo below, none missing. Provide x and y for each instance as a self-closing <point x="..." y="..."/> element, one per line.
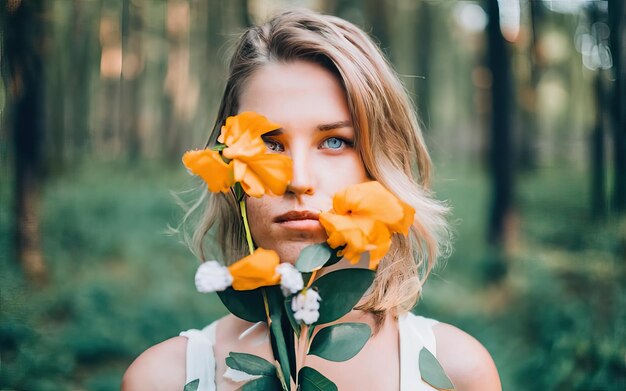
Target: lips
<point x="296" y="215"/>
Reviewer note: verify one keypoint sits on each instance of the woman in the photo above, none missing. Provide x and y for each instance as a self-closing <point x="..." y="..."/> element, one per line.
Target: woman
<point x="345" y="119"/>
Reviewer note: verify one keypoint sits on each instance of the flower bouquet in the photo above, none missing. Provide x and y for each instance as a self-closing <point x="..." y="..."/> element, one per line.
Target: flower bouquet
<point x="289" y="298"/>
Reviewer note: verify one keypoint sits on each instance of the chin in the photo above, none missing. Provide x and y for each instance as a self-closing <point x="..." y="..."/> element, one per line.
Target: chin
<point x="289" y="252"/>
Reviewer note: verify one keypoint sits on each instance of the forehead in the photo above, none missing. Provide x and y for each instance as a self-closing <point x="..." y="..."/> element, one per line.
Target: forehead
<point x="295" y="94"/>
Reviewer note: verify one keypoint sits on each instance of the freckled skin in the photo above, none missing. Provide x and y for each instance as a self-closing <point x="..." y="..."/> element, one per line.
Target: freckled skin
<point x="301" y="96"/>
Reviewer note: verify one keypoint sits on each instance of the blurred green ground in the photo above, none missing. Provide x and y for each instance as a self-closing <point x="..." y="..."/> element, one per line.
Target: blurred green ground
<point x="118" y="284"/>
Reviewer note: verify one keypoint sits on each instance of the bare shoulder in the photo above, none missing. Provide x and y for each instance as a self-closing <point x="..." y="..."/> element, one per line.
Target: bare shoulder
<point x="465" y="360"/>
<point x="230" y="325"/>
<point x="161" y="367"/>
<point x="237" y="335"/>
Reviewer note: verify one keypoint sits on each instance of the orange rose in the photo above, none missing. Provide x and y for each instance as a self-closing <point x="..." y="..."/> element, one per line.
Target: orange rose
<point x="363" y="218"/>
<point x="256" y="270"/>
<point x="210" y="166"/>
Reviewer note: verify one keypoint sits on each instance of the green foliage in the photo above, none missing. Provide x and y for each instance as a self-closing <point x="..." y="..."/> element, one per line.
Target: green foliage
<point x="192" y="385"/>
<point x="432" y="372"/>
<point x="263" y="383"/>
<point x="289" y="313"/>
<point x="250" y="364"/>
<point x="119" y="285"/>
<point x="312" y="380"/>
<point x="340" y="342"/>
<point x="247" y="305"/>
<point x="354" y="282"/>
<point x="278" y="339"/>
<point x="555" y="320"/>
<point x="254" y="365"/>
<point x="313" y="257"/>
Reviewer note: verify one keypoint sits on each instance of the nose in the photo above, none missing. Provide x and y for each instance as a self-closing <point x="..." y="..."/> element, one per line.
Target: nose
<point x="303" y="180"/>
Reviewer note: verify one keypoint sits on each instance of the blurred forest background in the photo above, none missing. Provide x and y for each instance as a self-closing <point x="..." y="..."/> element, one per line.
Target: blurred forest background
<point x="523" y="104"/>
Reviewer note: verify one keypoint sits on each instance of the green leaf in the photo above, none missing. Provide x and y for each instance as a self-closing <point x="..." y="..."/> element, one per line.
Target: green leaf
<point x="313" y="257"/>
<point x="432" y="372"/>
<point x="192" y="385"/>
<point x="278" y="338"/>
<point x="281" y="378"/>
<point x="310" y="333"/>
<point x="340" y="291"/>
<point x="250" y="364"/>
<point x="264" y="383"/>
<point x="289" y="313"/>
<point x="334" y="257"/>
<point x="238" y="190"/>
<point x="340" y="342"/>
<point x="281" y="347"/>
<point x="306" y="277"/>
<point x="247" y="305"/>
<point x="312" y="380"/>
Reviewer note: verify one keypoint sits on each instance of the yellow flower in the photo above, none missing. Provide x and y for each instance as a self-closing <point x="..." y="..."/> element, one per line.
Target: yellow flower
<point x="256" y="270"/>
<point x="257" y="170"/>
<point x="242" y="133"/>
<point x="249" y="161"/>
<point x="260" y="173"/>
<point x="363" y="218"/>
<point x="210" y="166"/>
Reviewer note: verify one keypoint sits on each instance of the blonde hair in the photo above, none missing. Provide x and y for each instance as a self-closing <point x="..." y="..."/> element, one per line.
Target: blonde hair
<point x="388" y="139"/>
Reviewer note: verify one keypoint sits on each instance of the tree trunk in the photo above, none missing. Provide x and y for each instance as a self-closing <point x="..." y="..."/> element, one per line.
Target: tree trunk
<point x="423" y="35"/>
<point x="78" y="77"/>
<point x="243" y="13"/>
<point x="23" y="49"/>
<point x="529" y="132"/>
<point x="180" y="84"/>
<point x="598" y="153"/>
<point x="376" y="13"/>
<point x="130" y="79"/>
<point x="108" y="141"/>
<point x="501" y="149"/>
<point x="617" y="21"/>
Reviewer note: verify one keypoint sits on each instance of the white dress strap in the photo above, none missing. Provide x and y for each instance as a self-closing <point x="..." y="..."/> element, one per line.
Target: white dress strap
<point x="200" y="357"/>
<point x="416" y="332"/>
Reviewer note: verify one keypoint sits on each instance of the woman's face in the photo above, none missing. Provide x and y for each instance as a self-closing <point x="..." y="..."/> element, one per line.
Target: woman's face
<point x="311" y="106"/>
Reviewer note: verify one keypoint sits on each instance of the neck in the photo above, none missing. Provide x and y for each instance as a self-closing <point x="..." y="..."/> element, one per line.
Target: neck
<point x="344" y="264"/>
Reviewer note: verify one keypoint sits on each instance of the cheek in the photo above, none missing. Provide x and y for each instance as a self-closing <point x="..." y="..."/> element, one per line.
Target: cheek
<point x="359" y="171"/>
<point x="259" y="216"/>
<point x="346" y="170"/>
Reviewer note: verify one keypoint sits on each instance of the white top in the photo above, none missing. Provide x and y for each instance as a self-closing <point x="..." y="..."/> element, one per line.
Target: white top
<point x="415" y="332"/>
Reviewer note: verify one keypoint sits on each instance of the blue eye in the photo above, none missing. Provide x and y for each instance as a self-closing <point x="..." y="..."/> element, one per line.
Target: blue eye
<point x="333" y="143"/>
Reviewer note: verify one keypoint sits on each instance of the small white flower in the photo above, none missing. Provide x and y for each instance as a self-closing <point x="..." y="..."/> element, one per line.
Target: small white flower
<point x="305" y="306"/>
<point x="290" y="278"/>
<point x="212" y="277"/>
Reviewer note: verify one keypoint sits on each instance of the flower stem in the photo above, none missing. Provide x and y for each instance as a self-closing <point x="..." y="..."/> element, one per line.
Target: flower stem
<point x="279" y="373"/>
<point x="304" y="342"/>
<point x="244" y="215"/>
<point x="267" y="308"/>
<point x="301" y="351"/>
<point x="308" y="285"/>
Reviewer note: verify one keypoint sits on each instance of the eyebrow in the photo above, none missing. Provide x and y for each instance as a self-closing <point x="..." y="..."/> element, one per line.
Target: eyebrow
<point x="335" y="125"/>
<point x="323" y="128"/>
